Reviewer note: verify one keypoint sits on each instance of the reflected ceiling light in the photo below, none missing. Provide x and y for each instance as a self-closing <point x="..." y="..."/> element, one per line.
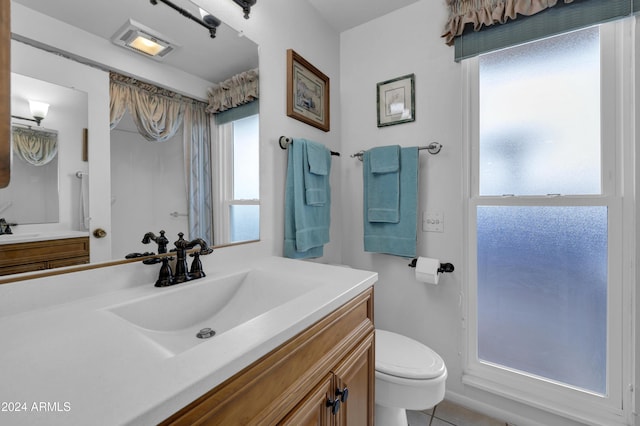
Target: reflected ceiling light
<point x="38" y="110"/>
<point x="135" y="36"/>
<point x="246" y="6"/>
<point x="208" y="21"/>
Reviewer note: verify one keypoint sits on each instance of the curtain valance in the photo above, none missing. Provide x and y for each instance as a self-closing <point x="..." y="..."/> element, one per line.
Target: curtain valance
<point x="238" y="90"/>
<point x="157" y="112"/>
<point x="484" y="13"/>
<point x="36" y="147"/>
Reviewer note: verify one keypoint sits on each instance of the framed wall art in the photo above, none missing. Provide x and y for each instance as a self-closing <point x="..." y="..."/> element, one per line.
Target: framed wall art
<point x="307" y="92"/>
<point x="396" y="101"/>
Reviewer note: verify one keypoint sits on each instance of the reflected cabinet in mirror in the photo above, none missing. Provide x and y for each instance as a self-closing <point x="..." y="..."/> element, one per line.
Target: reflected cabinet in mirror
<point x="176" y="149"/>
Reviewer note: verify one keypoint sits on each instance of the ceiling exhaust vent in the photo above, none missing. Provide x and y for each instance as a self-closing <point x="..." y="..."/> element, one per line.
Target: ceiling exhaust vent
<point x="141" y="39"/>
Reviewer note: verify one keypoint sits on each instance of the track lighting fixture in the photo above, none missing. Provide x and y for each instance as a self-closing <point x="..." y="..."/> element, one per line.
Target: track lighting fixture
<point x="246" y="6"/>
<point x="208" y="21"/>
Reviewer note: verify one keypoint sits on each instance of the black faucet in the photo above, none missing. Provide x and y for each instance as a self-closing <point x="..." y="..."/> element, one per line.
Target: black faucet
<point x="5" y="228"/>
<point x="182" y="245"/>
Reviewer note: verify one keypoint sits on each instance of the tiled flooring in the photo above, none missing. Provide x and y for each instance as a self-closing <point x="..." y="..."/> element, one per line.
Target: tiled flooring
<point x="447" y="414"/>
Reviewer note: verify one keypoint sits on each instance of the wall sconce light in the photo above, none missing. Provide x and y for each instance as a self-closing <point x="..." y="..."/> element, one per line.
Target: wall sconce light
<point x="38" y="110"/>
<point x="246" y="6"/>
<point x="208" y="21"/>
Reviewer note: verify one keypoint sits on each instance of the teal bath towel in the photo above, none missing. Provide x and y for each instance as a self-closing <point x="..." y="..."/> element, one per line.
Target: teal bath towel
<point x="395" y="238"/>
<point x="383" y="187"/>
<point x="316" y="170"/>
<point x="306" y="226"/>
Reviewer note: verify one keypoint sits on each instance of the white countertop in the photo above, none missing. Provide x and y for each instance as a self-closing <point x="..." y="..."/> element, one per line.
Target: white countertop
<point x="76" y="363"/>
<point x="19" y="236"/>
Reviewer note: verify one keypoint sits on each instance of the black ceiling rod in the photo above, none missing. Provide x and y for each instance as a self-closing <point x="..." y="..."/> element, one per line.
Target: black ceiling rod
<point x="210" y="22"/>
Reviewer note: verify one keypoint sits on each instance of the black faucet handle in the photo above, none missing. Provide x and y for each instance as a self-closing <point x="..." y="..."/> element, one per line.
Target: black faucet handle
<point x="161" y="240"/>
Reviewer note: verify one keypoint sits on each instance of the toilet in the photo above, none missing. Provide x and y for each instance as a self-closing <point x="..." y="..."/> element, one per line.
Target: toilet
<point x="409" y="376"/>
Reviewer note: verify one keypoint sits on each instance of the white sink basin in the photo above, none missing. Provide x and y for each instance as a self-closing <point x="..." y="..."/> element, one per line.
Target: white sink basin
<point x="174" y="316"/>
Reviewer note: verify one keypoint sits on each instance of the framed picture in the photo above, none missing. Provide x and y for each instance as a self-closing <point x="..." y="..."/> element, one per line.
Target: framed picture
<point x="396" y="101"/>
<point x="307" y="92"/>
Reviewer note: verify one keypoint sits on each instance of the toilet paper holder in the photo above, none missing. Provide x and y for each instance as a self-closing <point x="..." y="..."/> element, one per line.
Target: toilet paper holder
<point x="444" y="267"/>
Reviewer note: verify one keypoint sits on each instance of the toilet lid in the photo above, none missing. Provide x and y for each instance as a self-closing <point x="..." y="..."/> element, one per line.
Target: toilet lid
<point x="401" y="356"/>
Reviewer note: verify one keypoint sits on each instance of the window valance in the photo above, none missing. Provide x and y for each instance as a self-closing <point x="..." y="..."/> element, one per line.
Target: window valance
<point x="480" y="26"/>
<point x="485" y="13"/>
<point x="36" y="147"/>
<point x="240" y="89"/>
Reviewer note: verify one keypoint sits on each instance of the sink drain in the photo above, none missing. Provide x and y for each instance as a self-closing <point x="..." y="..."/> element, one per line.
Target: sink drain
<point x="205" y="333"/>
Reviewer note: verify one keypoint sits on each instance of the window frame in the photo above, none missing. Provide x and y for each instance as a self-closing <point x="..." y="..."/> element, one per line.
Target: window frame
<point x="617" y="174"/>
<point x="224" y="183"/>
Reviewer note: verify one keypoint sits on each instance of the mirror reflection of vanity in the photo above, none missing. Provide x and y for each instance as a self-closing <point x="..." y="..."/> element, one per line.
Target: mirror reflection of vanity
<point x="152" y="201"/>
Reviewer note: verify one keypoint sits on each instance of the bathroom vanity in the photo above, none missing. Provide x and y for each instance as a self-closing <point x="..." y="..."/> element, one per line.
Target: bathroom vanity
<point x="38" y="251"/>
<point x="293" y="344"/>
<point x="322" y="376"/>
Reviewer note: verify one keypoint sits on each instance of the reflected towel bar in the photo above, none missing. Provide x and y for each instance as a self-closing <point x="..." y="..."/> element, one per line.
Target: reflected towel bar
<point x="285" y="141"/>
<point x="433" y="148"/>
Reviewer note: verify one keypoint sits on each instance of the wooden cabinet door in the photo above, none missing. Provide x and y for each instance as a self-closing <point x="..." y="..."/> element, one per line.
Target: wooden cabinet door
<point x="356" y="375"/>
<point x="313" y="410"/>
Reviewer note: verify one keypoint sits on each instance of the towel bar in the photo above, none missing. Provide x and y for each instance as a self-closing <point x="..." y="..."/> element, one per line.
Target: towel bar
<point x="285" y="141"/>
<point x="433" y="148"/>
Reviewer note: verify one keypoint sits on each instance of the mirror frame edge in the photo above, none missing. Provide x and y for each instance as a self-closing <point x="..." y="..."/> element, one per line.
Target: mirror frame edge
<point x="5" y="93"/>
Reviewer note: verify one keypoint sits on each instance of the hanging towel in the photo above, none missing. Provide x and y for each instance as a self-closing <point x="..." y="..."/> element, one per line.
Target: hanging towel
<point x="383" y="188"/>
<point x="395" y="238"/>
<point x="306" y="227"/>
<point x="316" y="169"/>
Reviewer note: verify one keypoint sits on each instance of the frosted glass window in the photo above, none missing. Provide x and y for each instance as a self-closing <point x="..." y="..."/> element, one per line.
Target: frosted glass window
<point x="246" y="159"/>
<point x="245" y="223"/>
<point x="542" y="291"/>
<point x="540" y="117"/>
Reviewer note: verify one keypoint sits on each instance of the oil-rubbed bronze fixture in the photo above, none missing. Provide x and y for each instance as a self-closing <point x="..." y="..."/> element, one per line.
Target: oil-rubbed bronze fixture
<point x="246" y="6"/>
<point x="208" y="21"/>
<point x="182" y="274"/>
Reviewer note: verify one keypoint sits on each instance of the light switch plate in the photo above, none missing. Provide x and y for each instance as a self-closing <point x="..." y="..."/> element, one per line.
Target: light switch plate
<point x="432" y="222"/>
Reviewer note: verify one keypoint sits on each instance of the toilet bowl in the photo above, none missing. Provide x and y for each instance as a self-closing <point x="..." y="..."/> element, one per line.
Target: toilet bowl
<point x="409" y="376"/>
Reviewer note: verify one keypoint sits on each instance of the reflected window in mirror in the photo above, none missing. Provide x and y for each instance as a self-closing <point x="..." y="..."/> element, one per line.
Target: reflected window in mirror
<point x="237" y="216"/>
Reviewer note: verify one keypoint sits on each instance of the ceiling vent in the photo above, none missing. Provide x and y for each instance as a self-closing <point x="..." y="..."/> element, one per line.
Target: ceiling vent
<point x="135" y="36"/>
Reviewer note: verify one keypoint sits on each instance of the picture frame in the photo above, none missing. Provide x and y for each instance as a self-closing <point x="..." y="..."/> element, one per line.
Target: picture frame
<point x="396" y="101"/>
<point x="307" y="92"/>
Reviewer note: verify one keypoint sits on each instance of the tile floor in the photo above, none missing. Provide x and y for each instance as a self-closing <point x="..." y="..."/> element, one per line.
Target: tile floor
<point x="449" y="414"/>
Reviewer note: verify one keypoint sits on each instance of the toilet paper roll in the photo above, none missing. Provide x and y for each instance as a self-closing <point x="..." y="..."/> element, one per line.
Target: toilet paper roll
<point x="427" y="270"/>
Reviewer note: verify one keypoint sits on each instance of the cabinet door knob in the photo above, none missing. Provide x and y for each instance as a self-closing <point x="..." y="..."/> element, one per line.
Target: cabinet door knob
<point x="334" y="404"/>
<point x="342" y="394"/>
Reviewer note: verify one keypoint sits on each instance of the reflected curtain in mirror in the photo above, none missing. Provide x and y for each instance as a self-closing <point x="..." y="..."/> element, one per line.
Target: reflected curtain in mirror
<point x="36" y="147"/>
<point x="197" y="150"/>
<point x="158" y="115"/>
<point x="240" y="89"/>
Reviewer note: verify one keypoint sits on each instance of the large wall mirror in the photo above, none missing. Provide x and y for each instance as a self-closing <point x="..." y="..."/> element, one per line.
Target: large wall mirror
<point x="134" y="185"/>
